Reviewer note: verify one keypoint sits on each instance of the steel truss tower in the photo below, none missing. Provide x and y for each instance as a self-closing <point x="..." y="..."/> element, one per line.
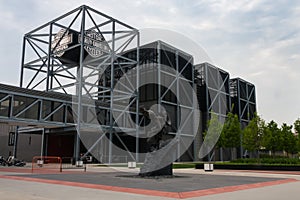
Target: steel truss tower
<point x="69" y="55"/>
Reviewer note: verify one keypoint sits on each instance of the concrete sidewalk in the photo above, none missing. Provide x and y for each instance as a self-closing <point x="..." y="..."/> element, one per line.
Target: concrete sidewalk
<point x="20" y="189"/>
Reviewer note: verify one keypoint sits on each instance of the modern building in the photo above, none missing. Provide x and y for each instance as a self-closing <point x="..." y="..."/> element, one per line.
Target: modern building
<point x="87" y="95"/>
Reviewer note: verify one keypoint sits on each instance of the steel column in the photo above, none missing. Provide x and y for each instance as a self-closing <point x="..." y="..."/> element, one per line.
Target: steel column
<point x="80" y="85"/>
<point x="137" y="98"/>
<point x="112" y="80"/>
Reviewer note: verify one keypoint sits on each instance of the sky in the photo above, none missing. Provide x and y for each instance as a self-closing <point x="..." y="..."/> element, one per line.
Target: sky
<point x="257" y="40"/>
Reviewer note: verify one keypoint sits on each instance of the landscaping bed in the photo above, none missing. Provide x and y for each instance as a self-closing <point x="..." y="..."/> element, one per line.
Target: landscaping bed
<point x="253" y="167"/>
<point x="281" y="164"/>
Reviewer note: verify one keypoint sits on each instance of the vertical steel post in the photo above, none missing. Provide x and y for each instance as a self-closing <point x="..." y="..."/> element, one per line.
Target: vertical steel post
<point x="22" y="61"/>
<point x="194" y="118"/>
<point x="207" y="92"/>
<point x="42" y="144"/>
<point x="158" y="74"/>
<point x="16" y="141"/>
<point x="112" y="73"/>
<point x="11" y="106"/>
<point x="207" y="100"/>
<point x="177" y="105"/>
<point x="49" y="58"/>
<point x="52" y="74"/>
<point x="248" y="102"/>
<point x="137" y="97"/>
<point x="80" y="85"/>
<point x="239" y="113"/>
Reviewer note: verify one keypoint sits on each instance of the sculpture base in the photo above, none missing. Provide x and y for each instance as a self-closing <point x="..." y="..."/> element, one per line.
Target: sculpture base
<point x="165" y="171"/>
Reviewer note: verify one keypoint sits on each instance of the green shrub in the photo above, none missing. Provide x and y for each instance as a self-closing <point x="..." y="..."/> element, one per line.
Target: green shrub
<point x="278" y="160"/>
<point x="271" y="156"/>
<point x="183" y="165"/>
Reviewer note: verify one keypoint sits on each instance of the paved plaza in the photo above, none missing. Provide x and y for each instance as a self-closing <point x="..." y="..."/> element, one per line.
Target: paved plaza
<point x="122" y="183"/>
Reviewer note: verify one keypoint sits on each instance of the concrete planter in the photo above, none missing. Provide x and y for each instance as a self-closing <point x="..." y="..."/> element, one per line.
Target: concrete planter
<point x="208" y="167"/>
<point x="79" y="163"/>
<point x="131" y="165"/>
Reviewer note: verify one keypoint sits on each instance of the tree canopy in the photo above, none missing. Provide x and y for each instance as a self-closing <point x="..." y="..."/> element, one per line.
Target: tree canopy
<point x="255" y="136"/>
<point x="231" y="132"/>
<point x="272" y="139"/>
<point x="213" y="133"/>
<point x="289" y="140"/>
<point x="252" y="134"/>
<point x="297" y="126"/>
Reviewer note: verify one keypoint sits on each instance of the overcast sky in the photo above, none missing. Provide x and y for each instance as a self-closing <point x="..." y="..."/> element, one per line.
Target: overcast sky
<point x="257" y="40"/>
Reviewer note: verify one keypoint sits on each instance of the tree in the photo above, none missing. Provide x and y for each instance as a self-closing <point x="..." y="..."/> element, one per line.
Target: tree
<point x="297" y="130"/>
<point x="212" y="135"/>
<point x="272" y="138"/>
<point x="252" y="134"/>
<point x="297" y="126"/>
<point x="231" y="132"/>
<point x="289" y="140"/>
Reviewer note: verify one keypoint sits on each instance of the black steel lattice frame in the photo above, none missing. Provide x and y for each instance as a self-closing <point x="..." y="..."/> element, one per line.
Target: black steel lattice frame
<point x="213" y="94"/>
<point x="151" y="56"/>
<point x="243" y="98"/>
<point x="189" y="120"/>
<point x="242" y="94"/>
<point x="213" y="91"/>
<point x="191" y="108"/>
<point x="47" y="72"/>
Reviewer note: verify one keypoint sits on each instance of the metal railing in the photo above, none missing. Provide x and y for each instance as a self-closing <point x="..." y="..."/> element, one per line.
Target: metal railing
<point x="47" y="163"/>
<point x="55" y="163"/>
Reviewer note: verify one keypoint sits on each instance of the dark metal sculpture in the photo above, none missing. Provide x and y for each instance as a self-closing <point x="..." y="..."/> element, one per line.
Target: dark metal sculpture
<point x="160" y="146"/>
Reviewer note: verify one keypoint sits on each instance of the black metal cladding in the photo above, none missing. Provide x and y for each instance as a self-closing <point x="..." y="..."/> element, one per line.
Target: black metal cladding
<point x="243" y="99"/>
<point x="168" y="56"/>
<point x="212" y="91"/>
<point x="151" y="55"/>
